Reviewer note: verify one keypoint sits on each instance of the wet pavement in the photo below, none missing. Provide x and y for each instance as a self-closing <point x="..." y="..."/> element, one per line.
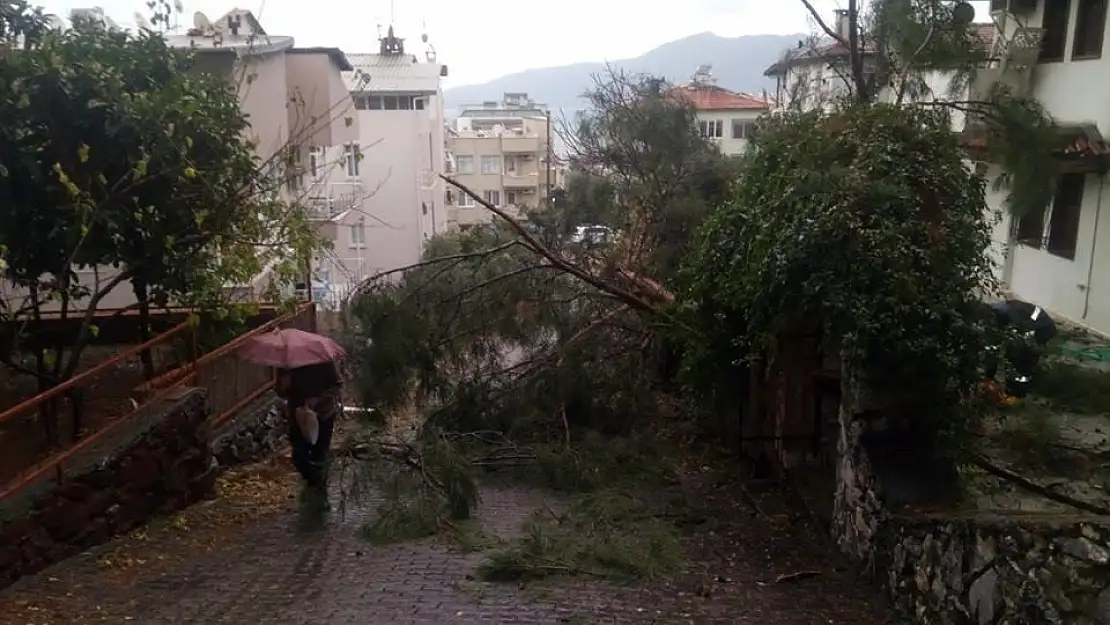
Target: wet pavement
<point x="275" y="570"/>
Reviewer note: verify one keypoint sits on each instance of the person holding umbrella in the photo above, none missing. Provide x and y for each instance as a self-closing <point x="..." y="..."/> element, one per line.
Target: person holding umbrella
<point x="308" y="380"/>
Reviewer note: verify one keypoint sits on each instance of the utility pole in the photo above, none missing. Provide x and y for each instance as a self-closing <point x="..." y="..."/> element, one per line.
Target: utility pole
<point x="550" y="158"/>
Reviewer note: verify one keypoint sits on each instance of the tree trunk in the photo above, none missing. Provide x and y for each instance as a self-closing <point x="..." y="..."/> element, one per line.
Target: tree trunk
<point x="142" y="296"/>
<point x="48" y="415"/>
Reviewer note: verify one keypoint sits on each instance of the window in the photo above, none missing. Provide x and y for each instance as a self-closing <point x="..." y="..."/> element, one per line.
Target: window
<point x="360" y="102"/>
<point x="493" y="196"/>
<point x="1055" y="25"/>
<point x="465" y="200"/>
<point x="1063" y="222"/>
<point x="1030" y="229"/>
<point x="448" y="198"/>
<point x="358" y="235"/>
<point x="352" y="155"/>
<point x="1090" y="23"/>
<point x="315" y="160"/>
<point x="742" y="129"/>
<point x="712" y="128"/>
<point x="510" y="164"/>
<point x="465" y="164"/>
<point x="393" y="103"/>
<point x="491" y="164"/>
<point x="510" y="198"/>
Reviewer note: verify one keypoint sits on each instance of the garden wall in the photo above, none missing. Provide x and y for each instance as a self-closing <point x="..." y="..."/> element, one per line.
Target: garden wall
<point x="160" y="463"/>
<point x="969" y="569"/>
<point x="256" y="433"/>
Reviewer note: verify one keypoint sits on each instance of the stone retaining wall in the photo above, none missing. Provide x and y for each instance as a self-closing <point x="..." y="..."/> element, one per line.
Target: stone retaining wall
<point x="1003" y="570"/>
<point x="165" y="465"/>
<point x="254" y="434"/>
<point x="974" y="569"/>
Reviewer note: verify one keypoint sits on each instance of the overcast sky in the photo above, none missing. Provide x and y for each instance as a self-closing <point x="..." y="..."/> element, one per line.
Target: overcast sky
<point x="488" y="38"/>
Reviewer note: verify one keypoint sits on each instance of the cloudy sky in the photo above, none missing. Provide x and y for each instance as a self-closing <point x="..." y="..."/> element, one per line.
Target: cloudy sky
<point x="488" y="38"/>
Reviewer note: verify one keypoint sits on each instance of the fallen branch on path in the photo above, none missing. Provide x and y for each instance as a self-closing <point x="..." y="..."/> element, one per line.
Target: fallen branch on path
<point x="1031" y="486"/>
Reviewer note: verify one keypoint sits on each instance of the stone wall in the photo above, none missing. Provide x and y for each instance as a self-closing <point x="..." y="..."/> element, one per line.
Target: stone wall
<point x="158" y="462"/>
<point x="973" y="569"/>
<point x="254" y="434"/>
<point x="1001" y="570"/>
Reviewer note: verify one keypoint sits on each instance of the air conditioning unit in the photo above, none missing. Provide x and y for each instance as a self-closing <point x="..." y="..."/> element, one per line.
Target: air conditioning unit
<point x="1014" y="7"/>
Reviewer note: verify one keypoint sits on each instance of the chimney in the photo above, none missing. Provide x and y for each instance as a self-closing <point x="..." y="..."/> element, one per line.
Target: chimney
<point x="841" y="23"/>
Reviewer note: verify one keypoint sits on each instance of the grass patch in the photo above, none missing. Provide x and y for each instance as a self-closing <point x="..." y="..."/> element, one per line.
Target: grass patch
<point x="1074" y="388"/>
<point x="608" y="533"/>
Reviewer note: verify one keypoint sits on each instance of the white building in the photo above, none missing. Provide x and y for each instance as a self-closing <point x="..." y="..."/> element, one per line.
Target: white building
<point x="384" y="193"/>
<point x="725" y="117"/>
<point x="1059" y="258"/>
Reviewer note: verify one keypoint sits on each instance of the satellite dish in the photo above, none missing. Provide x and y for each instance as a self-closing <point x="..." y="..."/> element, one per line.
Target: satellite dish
<point x="963" y="13"/>
<point x="201" y="22"/>
<point x="55" y="22"/>
<point x="142" y="22"/>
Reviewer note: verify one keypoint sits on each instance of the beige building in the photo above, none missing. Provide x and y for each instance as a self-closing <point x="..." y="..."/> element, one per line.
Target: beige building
<point x="297" y="104"/>
<point x="502" y="151"/>
<point x="391" y="199"/>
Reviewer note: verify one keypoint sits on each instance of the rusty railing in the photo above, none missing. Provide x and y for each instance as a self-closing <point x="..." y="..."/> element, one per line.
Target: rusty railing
<point x="110" y="400"/>
<point x="102" y="400"/>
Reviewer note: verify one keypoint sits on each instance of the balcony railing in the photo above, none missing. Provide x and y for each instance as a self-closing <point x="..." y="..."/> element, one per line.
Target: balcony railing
<point x="325" y="200"/>
<point x="517" y="180"/>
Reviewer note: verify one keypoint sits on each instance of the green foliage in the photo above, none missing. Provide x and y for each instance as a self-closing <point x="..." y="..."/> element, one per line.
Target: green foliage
<point x="609" y="534"/>
<point x="118" y="152"/>
<point x="866" y="225"/>
<point x="482" y="337"/>
<point x="640" y="137"/>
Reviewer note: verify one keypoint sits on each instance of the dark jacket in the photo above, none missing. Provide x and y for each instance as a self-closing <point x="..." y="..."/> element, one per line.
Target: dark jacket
<point x="317" y="386"/>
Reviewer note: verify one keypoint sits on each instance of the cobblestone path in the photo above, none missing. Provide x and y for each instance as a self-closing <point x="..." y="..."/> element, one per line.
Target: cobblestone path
<point x="274" y="571"/>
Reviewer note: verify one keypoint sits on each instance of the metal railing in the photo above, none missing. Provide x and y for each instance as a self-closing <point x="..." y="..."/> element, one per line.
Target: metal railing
<point x="104" y="397"/>
<point x="232" y="384"/>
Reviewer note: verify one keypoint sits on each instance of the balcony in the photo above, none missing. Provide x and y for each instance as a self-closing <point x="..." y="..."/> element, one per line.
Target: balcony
<point x="326" y="200"/>
<point x="518" y="180"/>
<point x="515" y="144"/>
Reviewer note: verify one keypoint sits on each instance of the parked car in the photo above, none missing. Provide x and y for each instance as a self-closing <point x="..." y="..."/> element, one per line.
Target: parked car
<point x="593" y="236"/>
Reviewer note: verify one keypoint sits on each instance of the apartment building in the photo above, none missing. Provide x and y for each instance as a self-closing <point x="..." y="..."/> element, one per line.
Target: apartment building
<point x="502" y="151"/>
<point x="726" y="118"/>
<point x="1052" y="51"/>
<point x="294" y="97"/>
<point x="380" y="195"/>
<point x="1058" y="258"/>
<point x="814" y="74"/>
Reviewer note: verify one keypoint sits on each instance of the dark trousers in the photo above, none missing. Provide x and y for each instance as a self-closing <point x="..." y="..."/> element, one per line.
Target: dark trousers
<point x="311" y="460"/>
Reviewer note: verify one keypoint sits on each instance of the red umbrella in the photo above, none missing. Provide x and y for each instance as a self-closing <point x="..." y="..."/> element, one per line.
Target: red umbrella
<point x="290" y="348"/>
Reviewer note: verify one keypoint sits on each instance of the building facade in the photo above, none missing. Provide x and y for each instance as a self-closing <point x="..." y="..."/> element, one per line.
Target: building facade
<point x="501" y="151"/>
<point x="381" y="195"/>
<point x="1058" y="258"/>
<point x="726" y="118"/>
<point x="293" y="97"/>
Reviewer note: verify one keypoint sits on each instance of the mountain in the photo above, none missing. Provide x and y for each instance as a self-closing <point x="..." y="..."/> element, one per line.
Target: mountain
<point x="738" y="64"/>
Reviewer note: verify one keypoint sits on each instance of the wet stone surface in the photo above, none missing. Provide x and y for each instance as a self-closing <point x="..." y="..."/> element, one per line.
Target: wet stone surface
<point x="282" y="571"/>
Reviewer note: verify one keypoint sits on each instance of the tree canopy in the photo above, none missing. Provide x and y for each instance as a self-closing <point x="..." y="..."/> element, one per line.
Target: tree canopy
<point x="122" y="164"/>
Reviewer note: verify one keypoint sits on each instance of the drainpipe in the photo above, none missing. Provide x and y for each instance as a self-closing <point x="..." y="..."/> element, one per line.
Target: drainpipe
<point x="1094" y="244"/>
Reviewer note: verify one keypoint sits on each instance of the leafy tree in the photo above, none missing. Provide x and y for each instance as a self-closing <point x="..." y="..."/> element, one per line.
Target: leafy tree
<point x="506" y="334"/>
<point x="116" y="153"/>
<point x="866" y="225"/>
<point x="894" y="49"/>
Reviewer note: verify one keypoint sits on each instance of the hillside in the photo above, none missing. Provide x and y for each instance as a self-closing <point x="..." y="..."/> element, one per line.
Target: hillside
<point x="738" y="64"/>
